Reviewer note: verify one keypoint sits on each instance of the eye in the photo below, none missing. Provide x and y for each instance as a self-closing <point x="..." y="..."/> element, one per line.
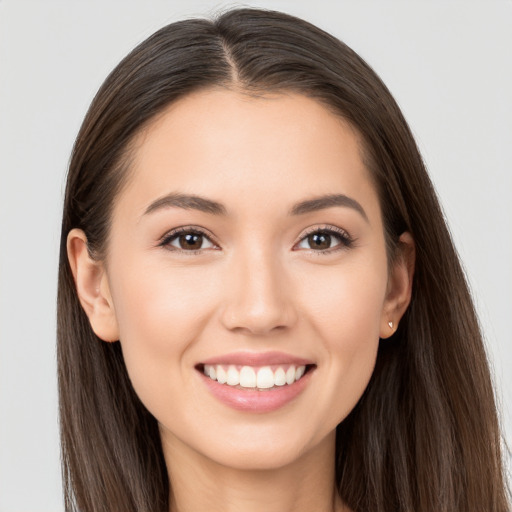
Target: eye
<point x="325" y="240"/>
<point x="187" y="240"/>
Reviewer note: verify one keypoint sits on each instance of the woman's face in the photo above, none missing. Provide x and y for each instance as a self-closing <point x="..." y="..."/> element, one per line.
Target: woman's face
<point x="248" y="243"/>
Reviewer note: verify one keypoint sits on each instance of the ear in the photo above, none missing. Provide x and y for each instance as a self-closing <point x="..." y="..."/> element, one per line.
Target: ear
<point x="398" y="295"/>
<point x="92" y="287"/>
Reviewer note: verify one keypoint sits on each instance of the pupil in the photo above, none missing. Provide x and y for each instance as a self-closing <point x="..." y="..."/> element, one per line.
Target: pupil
<point x="320" y="241"/>
<point x="191" y="241"/>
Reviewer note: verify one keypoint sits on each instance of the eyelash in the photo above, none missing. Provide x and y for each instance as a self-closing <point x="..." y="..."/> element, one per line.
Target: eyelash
<point x="346" y="241"/>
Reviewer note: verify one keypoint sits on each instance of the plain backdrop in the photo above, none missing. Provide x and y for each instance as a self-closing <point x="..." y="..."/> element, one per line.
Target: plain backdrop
<point x="448" y="63"/>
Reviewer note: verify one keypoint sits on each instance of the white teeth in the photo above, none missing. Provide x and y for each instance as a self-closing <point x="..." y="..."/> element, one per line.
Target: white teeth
<point x="233" y="376"/>
<point x="265" y="378"/>
<point x="280" y="377"/>
<point x="249" y="377"/>
<point x="222" y="376"/>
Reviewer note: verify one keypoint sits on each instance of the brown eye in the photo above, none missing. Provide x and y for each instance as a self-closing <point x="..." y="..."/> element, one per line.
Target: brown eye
<point x="326" y="240"/>
<point x="190" y="241"/>
<point x="319" y="241"/>
<point x="187" y="241"/>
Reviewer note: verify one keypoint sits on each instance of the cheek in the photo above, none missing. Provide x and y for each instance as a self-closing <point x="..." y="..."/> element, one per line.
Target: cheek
<point x="346" y="317"/>
<point x="161" y="313"/>
<point x="347" y="303"/>
<point x="156" y="303"/>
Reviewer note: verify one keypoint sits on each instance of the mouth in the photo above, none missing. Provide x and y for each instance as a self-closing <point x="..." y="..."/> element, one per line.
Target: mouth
<point x="257" y="383"/>
<point x="261" y="378"/>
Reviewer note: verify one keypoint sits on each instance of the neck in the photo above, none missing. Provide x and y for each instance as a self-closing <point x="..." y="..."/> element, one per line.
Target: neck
<point x="199" y="484"/>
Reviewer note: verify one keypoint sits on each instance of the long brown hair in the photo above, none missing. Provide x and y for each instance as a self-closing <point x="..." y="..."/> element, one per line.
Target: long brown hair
<point x="424" y="436"/>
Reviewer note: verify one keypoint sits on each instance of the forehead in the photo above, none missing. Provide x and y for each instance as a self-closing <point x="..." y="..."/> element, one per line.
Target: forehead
<point x="244" y="149"/>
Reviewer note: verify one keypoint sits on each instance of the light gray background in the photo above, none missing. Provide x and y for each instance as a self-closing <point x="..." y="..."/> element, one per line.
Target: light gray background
<point x="449" y="65"/>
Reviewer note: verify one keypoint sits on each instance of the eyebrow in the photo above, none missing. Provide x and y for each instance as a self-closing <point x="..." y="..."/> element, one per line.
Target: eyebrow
<point x="328" y="201"/>
<point x="195" y="202"/>
<point x="187" y="202"/>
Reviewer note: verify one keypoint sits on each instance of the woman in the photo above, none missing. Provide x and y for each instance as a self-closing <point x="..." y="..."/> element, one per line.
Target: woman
<point x="260" y="307"/>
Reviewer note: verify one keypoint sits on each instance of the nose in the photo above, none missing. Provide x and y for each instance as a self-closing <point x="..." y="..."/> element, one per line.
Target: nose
<point x="259" y="295"/>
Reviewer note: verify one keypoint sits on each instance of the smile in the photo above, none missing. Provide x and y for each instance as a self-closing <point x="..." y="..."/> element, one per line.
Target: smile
<point x="256" y="382"/>
<point x="262" y="378"/>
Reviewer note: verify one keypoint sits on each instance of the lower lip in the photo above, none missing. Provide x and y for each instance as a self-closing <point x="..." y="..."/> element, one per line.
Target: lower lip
<point x="253" y="400"/>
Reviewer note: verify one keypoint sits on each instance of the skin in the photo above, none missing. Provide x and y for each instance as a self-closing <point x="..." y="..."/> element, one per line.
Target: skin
<point x="256" y="284"/>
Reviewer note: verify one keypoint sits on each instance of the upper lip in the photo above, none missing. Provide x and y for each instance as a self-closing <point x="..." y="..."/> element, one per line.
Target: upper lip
<point x="257" y="359"/>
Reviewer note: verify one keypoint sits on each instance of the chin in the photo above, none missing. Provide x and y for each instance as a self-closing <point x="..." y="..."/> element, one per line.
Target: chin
<point x="258" y="458"/>
<point x="265" y="447"/>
